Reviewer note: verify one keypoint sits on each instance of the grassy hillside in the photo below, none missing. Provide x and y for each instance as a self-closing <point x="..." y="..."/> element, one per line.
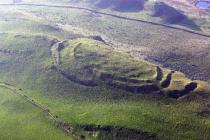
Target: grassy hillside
<point x="76" y="102"/>
<point x="160" y="45"/>
<point x="90" y="62"/>
<point x="185" y="13"/>
<point x="21" y="120"/>
<point x="90" y="85"/>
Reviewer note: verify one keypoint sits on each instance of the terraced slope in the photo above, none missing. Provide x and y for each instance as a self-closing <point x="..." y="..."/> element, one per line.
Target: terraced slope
<point x="91" y="63"/>
<point x="78" y="81"/>
<point x="89" y="86"/>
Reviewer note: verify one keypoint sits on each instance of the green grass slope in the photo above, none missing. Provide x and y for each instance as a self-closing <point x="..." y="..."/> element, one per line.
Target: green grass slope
<point x="68" y="78"/>
<point x="21" y="120"/>
<point x="85" y="82"/>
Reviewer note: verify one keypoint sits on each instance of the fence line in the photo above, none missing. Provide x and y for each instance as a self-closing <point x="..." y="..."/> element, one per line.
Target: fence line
<point x="66" y="128"/>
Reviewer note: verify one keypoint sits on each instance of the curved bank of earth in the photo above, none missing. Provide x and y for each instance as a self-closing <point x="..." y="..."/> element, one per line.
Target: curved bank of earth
<point x="90" y="62"/>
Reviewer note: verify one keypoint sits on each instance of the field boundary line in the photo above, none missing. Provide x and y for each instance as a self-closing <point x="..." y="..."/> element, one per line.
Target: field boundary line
<point x="108" y="14"/>
<point x="67" y="129"/>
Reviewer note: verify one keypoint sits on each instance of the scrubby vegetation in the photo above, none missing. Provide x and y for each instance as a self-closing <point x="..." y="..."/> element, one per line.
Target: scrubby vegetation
<point x="173" y="16"/>
<point x="121" y="5"/>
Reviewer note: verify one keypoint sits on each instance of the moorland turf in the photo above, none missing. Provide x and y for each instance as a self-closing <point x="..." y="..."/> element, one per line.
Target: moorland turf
<point x="92" y="83"/>
<point x="104" y="104"/>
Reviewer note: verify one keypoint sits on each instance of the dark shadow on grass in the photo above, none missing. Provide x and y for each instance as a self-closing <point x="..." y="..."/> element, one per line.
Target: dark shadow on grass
<point x="121" y="5"/>
<point x="187" y="90"/>
<point x="118" y="133"/>
<point x="170" y="15"/>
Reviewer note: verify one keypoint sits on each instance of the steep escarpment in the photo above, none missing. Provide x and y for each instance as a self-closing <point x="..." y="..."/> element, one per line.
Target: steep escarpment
<point x="91" y="63"/>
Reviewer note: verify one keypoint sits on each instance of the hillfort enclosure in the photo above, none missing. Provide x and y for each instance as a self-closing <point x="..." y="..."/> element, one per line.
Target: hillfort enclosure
<point x="104" y="70"/>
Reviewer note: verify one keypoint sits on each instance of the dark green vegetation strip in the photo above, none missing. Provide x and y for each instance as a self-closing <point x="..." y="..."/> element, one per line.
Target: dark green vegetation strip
<point x="108" y="14"/>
